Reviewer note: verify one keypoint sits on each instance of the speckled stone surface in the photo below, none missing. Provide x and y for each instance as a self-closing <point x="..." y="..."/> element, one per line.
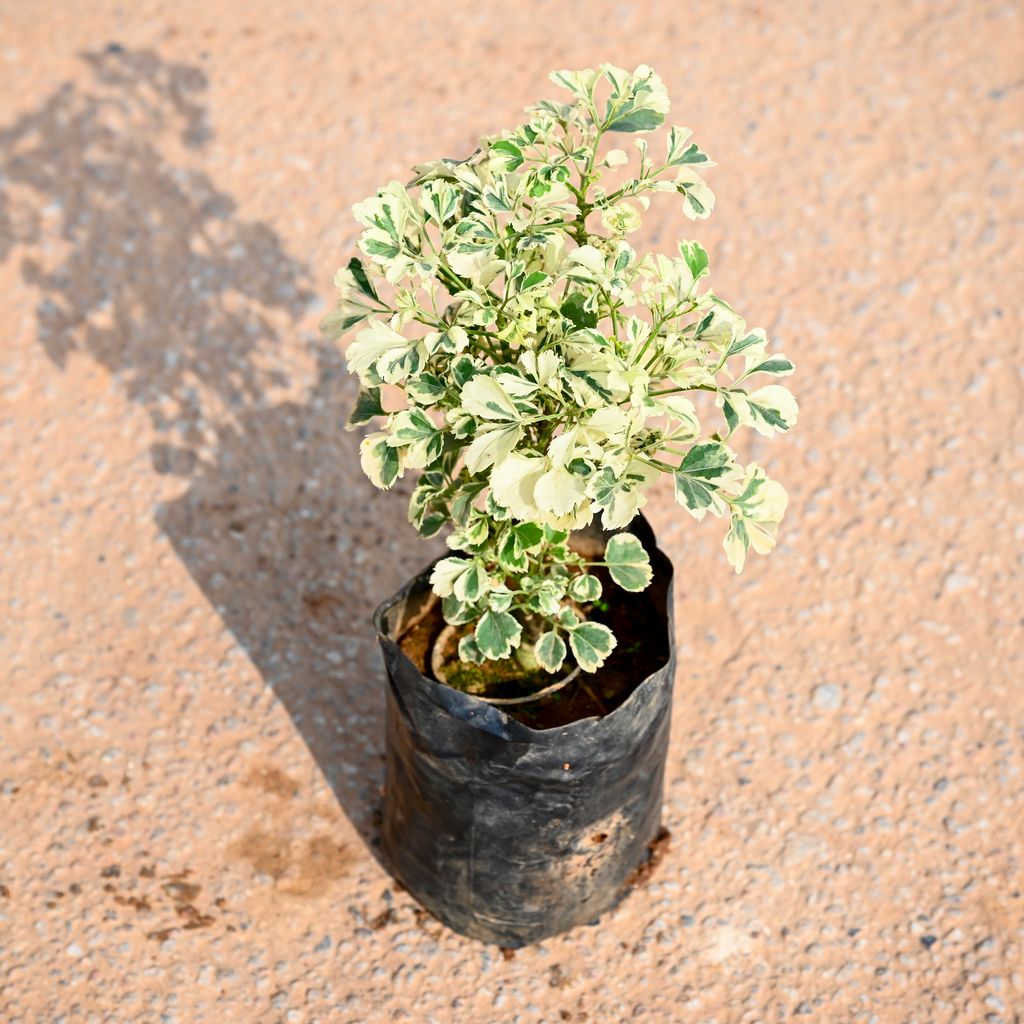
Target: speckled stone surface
<point x="190" y="693"/>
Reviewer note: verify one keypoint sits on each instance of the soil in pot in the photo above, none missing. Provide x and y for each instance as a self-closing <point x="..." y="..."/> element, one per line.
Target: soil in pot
<point x="640" y="652"/>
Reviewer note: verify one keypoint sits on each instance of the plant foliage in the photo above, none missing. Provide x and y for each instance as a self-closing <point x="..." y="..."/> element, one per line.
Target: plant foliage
<point x="539" y="372"/>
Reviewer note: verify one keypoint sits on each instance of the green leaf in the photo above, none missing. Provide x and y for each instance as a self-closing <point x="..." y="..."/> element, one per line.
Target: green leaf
<point x="704" y="469"/>
<point x="472" y="535"/>
<point x="462" y="504"/>
<point x="574" y="310"/>
<point x="497" y="199"/>
<point x="427" y="512"/>
<point x="472" y="584"/>
<point x="498" y="512"/>
<point x="778" y="365"/>
<point x="703" y="324"/>
<point x="628" y="563"/>
<point x="528" y="535"/>
<point x="766" y="417"/>
<point x="521" y="538"/>
<point x="453" y="341"/>
<point x="479" y="528"/>
<point x="620" y="497"/>
<point x="367" y="407"/>
<point x="414" y="430"/>
<point x="470" y="651"/>
<point x="426" y="389"/>
<point x="695" y="204"/>
<point x="590" y="381"/>
<point x="696" y="258"/>
<point x="432" y="524"/>
<point x="477" y="227"/>
<point x="568" y="618"/>
<point x="463" y="370"/>
<point x="500" y="599"/>
<point x="532" y="280"/>
<point x="591" y="643"/>
<point x="440" y="200"/>
<point x="510" y="150"/>
<point x="579" y="83"/>
<point x="460" y="424"/>
<point x="511" y="556"/>
<point x="692" y="155"/>
<point x="545" y="594"/>
<point x="755" y="337"/>
<point x="496" y="634"/>
<point x="376" y="247"/>
<point x="585" y="587"/>
<point x="636" y="121"/>
<point x="455" y="612"/>
<point x="355" y="268"/>
<point x="731" y="416"/>
<point x="550" y="651"/>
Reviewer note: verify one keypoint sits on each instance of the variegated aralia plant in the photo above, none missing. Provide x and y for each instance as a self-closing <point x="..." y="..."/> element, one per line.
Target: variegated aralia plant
<point x="540" y="372"/>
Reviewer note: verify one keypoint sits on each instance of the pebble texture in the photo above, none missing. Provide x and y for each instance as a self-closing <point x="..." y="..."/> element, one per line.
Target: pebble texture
<point x="191" y="698"/>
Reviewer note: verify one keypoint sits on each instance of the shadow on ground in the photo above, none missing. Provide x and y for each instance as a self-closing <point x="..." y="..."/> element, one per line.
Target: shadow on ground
<point x="145" y="265"/>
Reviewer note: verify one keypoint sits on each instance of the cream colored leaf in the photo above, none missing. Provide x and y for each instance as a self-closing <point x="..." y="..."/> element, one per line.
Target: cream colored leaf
<point x="680" y="410"/>
<point x="559" y="491"/>
<point x="375" y="340"/>
<point x="481" y="268"/>
<point x="445" y="574"/>
<point x="379" y="461"/>
<point x="563" y="448"/>
<point x="769" y="409"/>
<point x="513" y="482"/>
<point x="589" y="257"/>
<point x="698" y="199"/>
<point x="755" y="516"/>
<point x="483" y="396"/>
<point x="491" y="446"/>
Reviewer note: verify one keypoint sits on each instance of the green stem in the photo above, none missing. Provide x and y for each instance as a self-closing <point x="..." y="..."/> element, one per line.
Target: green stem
<point x="676" y="391"/>
<point x="625" y="190"/>
<point x="657" y="463"/>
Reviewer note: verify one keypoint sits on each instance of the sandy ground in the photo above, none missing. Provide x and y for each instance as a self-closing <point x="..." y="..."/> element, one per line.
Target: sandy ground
<point x="191" y="702"/>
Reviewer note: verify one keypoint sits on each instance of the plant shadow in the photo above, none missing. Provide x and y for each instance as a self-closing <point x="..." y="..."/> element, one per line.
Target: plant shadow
<point x="142" y="263"/>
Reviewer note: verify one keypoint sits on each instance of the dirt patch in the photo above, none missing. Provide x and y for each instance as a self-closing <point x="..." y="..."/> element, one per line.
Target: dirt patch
<point x="298" y="867"/>
<point x="272" y="780"/>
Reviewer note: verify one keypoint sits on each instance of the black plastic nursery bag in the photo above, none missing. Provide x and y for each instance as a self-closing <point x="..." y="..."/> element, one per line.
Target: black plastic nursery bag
<point x="510" y="834"/>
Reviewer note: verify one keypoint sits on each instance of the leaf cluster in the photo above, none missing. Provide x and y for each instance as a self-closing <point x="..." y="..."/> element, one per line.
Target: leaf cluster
<point x="539" y="372"/>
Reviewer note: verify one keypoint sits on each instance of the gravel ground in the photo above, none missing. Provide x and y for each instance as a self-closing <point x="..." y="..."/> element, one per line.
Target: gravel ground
<point x="191" y="703"/>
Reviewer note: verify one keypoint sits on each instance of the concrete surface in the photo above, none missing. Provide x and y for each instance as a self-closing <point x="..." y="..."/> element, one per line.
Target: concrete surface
<point x="190" y="713"/>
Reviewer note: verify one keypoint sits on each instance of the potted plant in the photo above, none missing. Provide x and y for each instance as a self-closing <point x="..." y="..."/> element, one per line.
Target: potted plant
<point x="540" y="375"/>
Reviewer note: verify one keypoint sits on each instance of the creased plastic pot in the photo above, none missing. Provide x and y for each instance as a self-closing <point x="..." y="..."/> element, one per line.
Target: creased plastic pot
<point x="510" y="834"/>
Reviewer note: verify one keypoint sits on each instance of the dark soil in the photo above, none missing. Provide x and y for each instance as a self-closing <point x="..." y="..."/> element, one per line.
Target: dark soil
<point x="496" y="680"/>
<point x="639" y="627"/>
